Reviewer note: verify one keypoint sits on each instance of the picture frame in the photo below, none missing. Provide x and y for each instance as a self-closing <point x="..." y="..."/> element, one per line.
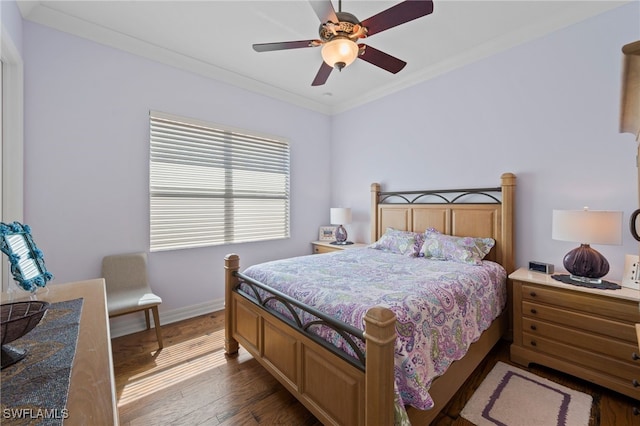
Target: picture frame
<point x="327" y="233"/>
<point x="631" y="277"/>
<point x="25" y="258"/>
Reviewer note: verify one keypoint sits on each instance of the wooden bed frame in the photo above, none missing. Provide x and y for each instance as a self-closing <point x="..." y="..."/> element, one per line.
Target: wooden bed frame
<point x="336" y="390"/>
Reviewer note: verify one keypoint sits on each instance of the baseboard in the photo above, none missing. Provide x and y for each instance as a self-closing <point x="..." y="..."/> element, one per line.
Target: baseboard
<point x="128" y="324"/>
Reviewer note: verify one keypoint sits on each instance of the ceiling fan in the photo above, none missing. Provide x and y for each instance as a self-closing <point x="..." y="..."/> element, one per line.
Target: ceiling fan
<point x="339" y="32"/>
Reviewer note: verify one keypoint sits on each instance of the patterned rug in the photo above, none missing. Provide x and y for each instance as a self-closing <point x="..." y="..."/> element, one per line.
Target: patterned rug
<point x="510" y="396"/>
<point x="35" y="389"/>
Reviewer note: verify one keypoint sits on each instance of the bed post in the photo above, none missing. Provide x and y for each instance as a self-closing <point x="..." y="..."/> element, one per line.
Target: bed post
<point x="375" y="190"/>
<point x="231" y="265"/>
<point x="508" y="242"/>
<point x="508" y="206"/>
<point x="380" y="334"/>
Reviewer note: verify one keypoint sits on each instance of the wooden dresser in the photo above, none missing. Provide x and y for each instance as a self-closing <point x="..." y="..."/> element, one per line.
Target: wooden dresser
<point x="92" y="397"/>
<point x="584" y="332"/>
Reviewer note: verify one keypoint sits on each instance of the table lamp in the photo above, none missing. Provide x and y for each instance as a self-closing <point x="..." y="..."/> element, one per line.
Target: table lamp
<point x="341" y="216"/>
<point x="586" y="227"/>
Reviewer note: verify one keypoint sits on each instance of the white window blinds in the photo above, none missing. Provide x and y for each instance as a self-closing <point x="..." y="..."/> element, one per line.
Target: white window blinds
<point x="211" y="185"/>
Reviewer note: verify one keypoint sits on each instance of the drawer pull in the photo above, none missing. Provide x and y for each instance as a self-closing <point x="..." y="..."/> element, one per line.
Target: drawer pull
<point x="533" y="327"/>
<point x="533" y="343"/>
<point x="533" y="311"/>
<point x="635" y="383"/>
<point x="533" y="294"/>
<point x="636" y="411"/>
<point x="635" y="356"/>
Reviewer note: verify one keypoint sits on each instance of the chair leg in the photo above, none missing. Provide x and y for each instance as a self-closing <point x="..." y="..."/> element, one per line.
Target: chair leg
<point x="146" y="317"/>
<point x="156" y="324"/>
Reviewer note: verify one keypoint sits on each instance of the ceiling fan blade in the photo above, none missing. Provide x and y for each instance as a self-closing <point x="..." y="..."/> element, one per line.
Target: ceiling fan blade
<point x="381" y="59"/>
<point x="401" y="13"/>
<point x="268" y="47"/>
<point x="323" y="75"/>
<point x="325" y="11"/>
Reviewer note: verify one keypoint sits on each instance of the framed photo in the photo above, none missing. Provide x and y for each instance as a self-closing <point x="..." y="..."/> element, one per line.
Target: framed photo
<point x="631" y="277"/>
<point x="327" y="233"/>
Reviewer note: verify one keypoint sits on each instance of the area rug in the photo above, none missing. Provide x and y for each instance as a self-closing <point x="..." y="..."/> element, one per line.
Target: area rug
<point x="510" y="396"/>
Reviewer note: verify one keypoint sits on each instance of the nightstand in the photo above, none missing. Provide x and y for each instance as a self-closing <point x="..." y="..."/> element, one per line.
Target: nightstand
<point x="585" y="332"/>
<point x="319" y="247"/>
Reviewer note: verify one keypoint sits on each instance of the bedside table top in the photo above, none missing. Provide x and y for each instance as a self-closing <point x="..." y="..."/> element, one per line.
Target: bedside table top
<point x="339" y="246"/>
<point x="523" y="274"/>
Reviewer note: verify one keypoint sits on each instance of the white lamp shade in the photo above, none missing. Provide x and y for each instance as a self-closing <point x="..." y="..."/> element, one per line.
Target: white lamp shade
<point x="340" y="215"/>
<point x="587" y="226"/>
<point x="339" y="50"/>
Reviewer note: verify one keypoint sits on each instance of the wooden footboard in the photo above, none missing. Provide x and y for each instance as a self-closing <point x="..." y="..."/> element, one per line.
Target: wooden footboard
<point x="334" y="390"/>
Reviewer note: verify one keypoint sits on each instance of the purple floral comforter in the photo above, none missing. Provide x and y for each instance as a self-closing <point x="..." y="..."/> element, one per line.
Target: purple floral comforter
<point x="441" y="306"/>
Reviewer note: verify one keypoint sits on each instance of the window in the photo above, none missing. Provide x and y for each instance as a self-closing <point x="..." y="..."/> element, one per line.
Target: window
<point x="211" y="185"/>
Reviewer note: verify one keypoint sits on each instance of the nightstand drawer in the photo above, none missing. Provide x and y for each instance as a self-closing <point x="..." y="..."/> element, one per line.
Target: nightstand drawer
<point x="603" y="345"/>
<point x="623" y="310"/>
<point x="607" y="327"/>
<point x="626" y="372"/>
<point x="318" y="249"/>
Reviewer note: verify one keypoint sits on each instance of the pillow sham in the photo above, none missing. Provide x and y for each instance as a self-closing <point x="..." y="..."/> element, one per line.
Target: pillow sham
<point x="406" y="243"/>
<point x="467" y="250"/>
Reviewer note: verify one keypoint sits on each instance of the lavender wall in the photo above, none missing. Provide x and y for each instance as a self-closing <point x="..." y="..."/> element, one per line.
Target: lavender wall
<point x="547" y="110"/>
<point x="86" y="155"/>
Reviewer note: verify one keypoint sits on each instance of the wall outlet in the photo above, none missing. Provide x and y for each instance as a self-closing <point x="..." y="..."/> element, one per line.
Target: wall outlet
<point x="631" y="276"/>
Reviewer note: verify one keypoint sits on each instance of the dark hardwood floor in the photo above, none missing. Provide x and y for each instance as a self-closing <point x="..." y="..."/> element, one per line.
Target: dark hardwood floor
<point x="191" y="382"/>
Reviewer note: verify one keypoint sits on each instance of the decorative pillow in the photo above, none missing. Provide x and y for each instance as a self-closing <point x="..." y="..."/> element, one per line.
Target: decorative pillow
<point x="457" y="249"/>
<point x="406" y="243"/>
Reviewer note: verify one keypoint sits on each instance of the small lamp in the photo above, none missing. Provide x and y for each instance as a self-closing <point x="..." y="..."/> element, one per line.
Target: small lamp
<point x="341" y="216"/>
<point x="587" y="227"/>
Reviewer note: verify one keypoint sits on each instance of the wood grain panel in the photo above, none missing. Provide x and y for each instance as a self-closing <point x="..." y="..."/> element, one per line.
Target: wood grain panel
<point x="281" y="351"/>
<point x="585" y="358"/>
<point x="247" y="324"/>
<point x="604" y="326"/>
<point x="479" y="221"/>
<point x="596" y="343"/>
<point x="476" y="221"/>
<point x="396" y="217"/>
<point x="333" y="388"/>
<point x="431" y="217"/>
<point x="625" y="310"/>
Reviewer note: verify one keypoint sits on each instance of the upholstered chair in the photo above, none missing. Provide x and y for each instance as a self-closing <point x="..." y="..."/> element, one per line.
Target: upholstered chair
<point x="128" y="288"/>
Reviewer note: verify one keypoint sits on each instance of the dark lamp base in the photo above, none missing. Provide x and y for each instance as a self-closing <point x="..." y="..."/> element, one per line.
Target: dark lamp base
<point x="341" y="243"/>
<point x="585" y="264"/>
<point x="341" y="235"/>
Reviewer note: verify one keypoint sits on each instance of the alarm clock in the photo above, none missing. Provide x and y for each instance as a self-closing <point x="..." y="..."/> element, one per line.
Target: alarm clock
<point x="545" y="268"/>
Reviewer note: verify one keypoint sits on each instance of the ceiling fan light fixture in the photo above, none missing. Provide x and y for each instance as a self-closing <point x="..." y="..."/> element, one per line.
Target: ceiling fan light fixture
<point x="339" y="52"/>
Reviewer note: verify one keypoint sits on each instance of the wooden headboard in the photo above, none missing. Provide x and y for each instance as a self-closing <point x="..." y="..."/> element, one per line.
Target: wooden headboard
<point x="474" y="212"/>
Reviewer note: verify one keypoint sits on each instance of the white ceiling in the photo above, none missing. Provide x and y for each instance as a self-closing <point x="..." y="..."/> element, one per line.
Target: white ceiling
<point x="214" y="38"/>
